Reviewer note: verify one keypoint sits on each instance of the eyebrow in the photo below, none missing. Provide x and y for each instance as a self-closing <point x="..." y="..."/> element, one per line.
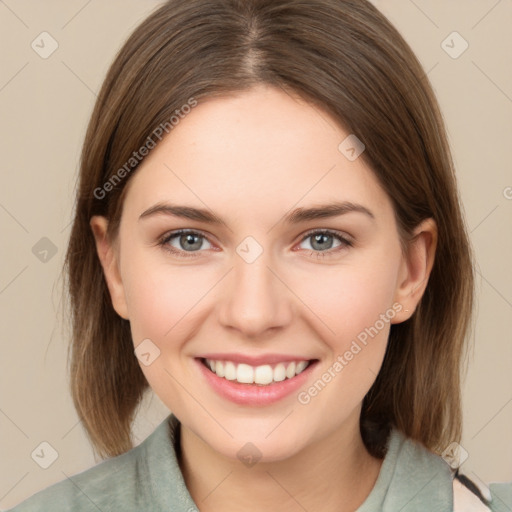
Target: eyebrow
<point x="296" y="216"/>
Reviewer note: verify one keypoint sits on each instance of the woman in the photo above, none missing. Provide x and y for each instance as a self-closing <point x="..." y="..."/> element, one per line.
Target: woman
<point x="230" y="141"/>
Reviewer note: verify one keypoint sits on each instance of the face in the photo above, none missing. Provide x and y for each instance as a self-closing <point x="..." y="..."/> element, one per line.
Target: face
<point x="268" y="289"/>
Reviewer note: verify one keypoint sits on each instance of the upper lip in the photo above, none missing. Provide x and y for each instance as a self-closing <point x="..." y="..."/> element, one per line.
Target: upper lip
<point x="254" y="360"/>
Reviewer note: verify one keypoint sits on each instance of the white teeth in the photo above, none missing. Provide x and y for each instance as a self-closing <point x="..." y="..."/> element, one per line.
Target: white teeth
<point x="290" y="370"/>
<point x="299" y="368"/>
<point x="261" y="375"/>
<point x="229" y="370"/>
<point x="280" y="372"/>
<point x="219" y="368"/>
<point x="245" y="374"/>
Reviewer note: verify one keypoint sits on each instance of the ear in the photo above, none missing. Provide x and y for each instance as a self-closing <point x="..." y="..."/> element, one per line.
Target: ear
<point x="108" y="255"/>
<point x="415" y="269"/>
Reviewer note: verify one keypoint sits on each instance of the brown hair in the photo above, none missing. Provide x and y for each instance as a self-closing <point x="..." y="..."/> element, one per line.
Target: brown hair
<point x="344" y="57"/>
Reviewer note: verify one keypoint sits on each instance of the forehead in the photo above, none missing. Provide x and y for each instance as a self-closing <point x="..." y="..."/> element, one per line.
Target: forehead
<point x="257" y="152"/>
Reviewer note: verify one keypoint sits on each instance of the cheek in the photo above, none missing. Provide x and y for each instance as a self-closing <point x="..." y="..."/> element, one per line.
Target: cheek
<point x="351" y="297"/>
<point x="355" y="305"/>
<point x="164" y="306"/>
<point x="163" y="298"/>
<point x="160" y="296"/>
<point x="358" y="311"/>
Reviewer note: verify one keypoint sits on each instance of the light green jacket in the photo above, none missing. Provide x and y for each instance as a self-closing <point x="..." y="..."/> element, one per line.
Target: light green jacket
<point x="148" y="478"/>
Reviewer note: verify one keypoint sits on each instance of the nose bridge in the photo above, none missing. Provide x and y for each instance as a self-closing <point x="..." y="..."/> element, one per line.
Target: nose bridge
<point x="256" y="299"/>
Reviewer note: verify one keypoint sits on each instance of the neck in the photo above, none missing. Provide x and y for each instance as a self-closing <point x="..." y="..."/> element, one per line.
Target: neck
<point x="336" y="473"/>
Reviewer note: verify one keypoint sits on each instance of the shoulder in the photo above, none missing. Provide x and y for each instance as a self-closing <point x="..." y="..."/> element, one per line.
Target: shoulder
<point x="501" y="496"/>
<point x="119" y="483"/>
<point x="91" y="489"/>
<point x="432" y="480"/>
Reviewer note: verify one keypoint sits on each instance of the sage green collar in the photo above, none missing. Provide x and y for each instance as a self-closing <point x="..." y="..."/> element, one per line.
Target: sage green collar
<point x="411" y="478"/>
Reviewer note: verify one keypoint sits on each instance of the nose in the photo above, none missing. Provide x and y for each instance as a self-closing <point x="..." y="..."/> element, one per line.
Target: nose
<point x="255" y="300"/>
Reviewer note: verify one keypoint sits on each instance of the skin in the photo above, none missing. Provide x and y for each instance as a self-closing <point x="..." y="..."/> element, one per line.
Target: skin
<point x="251" y="158"/>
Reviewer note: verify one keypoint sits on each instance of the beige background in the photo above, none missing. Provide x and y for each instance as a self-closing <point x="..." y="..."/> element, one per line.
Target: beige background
<point x="45" y="105"/>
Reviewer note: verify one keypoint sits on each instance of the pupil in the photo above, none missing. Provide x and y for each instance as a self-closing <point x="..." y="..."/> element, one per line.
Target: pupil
<point x="190" y="238"/>
<point x="318" y="239"/>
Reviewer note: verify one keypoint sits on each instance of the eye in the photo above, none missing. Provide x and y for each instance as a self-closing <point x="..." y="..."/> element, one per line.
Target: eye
<point x="322" y="242"/>
<point x="188" y="241"/>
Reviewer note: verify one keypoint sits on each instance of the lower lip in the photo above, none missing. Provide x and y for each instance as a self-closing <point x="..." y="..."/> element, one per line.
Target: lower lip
<point x="253" y="394"/>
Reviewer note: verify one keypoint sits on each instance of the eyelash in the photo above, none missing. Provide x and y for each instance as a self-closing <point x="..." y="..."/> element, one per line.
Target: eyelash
<point x="164" y="241"/>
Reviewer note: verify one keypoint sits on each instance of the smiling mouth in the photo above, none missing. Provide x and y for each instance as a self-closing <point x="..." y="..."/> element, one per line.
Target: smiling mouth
<point x="263" y="375"/>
